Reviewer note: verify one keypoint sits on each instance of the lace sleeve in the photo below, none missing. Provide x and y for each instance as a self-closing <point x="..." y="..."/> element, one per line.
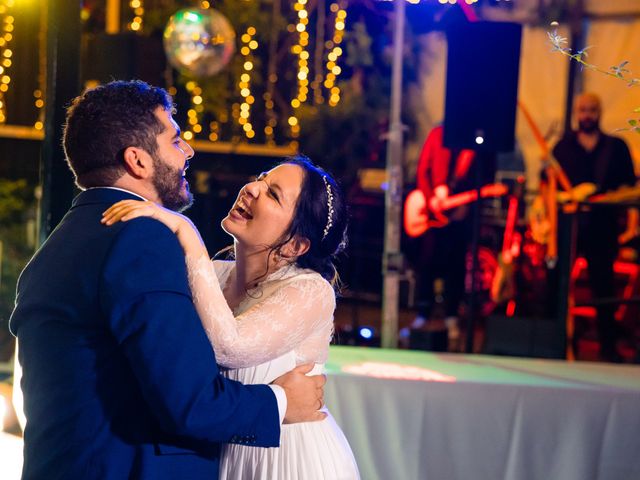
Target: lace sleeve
<point x="297" y="316"/>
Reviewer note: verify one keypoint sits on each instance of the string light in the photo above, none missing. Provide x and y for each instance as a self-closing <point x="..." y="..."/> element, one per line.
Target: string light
<point x="39" y="103"/>
<point x="39" y="94"/>
<point x="334" y="53"/>
<point x="316" y="84"/>
<point x="235" y="116"/>
<point x="271" y="116"/>
<point x="195" y="111"/>
<point x="214" y="131"/>
<point x="6" y="53"/>
<point x="249" y="45"/>
<point x="138" y="11"/>
<point x="300" y="49"/>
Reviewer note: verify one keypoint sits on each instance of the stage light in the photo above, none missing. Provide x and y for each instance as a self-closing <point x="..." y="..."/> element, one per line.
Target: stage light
<point x="366" y="332"/>
<point x="479" y="140"/>
<point x="397" y="371"/>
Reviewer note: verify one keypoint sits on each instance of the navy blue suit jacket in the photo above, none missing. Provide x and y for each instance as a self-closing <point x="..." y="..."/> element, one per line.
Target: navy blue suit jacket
<point x="119" y="378"/>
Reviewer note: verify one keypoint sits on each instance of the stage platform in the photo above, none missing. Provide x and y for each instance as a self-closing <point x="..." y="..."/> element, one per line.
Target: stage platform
<point x="418" y="415"/>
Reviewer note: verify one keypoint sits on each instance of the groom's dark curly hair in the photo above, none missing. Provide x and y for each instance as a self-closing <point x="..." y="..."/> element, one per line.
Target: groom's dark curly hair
<point x="104" y="121"/>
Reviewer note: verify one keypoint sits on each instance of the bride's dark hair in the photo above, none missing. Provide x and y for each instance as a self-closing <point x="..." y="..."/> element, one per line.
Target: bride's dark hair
<point x="320" y="216"/>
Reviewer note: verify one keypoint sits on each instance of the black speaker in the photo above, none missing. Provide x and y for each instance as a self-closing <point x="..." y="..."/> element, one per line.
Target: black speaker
<point x="482" y="85"/>
<point x="525" y="337"/>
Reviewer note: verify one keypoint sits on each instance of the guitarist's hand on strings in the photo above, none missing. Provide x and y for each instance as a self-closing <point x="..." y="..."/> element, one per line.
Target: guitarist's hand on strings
<point x="440" y="194"/>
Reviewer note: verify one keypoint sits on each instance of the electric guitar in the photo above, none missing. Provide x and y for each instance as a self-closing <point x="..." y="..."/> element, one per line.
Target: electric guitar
<point x="418" y="218"/>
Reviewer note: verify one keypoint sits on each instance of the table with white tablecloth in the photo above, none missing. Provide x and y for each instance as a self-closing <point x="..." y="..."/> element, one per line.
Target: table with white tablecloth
<point x="419" y="415"/>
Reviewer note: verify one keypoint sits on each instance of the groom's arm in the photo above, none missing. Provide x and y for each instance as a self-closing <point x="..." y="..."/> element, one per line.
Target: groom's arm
<point x="146" y="300"/>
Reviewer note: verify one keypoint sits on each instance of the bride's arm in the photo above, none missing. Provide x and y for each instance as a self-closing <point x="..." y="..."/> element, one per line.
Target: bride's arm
<point x="299" y="315"/>
<point x="185" y="230"/>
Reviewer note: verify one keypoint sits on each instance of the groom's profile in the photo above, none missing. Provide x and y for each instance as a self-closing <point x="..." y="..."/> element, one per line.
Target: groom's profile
<point x="119" y="378"/>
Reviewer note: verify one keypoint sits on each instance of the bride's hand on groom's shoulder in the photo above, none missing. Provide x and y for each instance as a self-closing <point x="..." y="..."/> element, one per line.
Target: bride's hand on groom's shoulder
<point x="129" y="209"/>
<point x="305" y="394"/>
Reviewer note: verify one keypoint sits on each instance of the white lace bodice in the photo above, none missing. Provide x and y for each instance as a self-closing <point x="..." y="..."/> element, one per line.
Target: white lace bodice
<point x="291" y="310"/>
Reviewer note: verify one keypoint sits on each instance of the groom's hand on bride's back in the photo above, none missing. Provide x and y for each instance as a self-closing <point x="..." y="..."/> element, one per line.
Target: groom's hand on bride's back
<point x="305" y="394"/>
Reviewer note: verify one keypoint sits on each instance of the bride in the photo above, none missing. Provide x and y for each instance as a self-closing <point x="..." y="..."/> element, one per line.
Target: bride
<point x="272" y="308"/>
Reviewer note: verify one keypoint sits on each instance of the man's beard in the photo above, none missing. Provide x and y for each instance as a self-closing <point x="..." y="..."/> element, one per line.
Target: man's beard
<point x="168" y="184"/>
<point x="588" y="126"/>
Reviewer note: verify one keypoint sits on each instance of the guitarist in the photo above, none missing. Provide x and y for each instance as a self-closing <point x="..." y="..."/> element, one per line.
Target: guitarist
<point x="589" y="155"/>
<point x="443" y="172"/>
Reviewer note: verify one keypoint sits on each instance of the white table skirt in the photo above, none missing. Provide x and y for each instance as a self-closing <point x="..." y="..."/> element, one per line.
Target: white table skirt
<point x="498" y="418"/>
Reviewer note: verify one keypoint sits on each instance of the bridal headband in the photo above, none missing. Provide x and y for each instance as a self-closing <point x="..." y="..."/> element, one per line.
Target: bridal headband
<point x="329" y="207"/>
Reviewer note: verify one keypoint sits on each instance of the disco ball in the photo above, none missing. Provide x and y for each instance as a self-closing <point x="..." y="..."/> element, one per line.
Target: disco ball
<point x="199" y="42"/>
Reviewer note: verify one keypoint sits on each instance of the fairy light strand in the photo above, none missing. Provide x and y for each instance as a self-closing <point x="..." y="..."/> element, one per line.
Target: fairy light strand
<point x="249" y="45"/>
<point x="272" y="78"/>
<point x="137" y="7"/>
<point x="300" y="49"/>
<point x="195" y="111"/>
<point x="316" y="84"/>
<point x="334" y="52"/>
<point x="39" y="94"/>
<point x="5" y="54"/>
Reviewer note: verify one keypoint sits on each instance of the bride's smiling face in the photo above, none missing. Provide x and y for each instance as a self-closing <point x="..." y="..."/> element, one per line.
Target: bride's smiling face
<point x="264" y="209"/>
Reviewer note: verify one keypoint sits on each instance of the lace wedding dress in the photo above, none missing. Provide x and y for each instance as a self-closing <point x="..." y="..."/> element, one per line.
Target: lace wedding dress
<point x="286" y="321"/>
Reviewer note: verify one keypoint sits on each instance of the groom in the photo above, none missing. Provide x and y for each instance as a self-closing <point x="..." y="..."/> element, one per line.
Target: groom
<point x="119" y="378"/>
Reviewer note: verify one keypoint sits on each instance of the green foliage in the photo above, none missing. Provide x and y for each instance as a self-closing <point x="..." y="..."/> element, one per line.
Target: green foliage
<point x="13" y="201"/>
<point x="358" y="44"/>
<point x="620" y="71"/>
<point x="16" y="208"/>
<point x="340" y="137"/>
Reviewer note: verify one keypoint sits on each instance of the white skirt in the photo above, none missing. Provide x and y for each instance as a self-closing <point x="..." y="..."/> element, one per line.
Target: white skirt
<point x="308" y="451"/>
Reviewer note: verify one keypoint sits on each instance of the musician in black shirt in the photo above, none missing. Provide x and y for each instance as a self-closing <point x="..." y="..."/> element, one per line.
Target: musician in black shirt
<point x="589" y="155"/>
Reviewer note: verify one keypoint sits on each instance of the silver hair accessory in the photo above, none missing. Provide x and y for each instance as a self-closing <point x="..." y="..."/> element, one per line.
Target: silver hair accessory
<point x="329" y="207"/>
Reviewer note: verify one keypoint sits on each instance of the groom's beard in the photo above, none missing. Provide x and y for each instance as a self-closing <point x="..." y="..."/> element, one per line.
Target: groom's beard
<point x="169" y="184"/>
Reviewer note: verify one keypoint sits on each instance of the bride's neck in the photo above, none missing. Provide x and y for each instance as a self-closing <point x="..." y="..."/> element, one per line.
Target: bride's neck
<point x="252" y="266"/>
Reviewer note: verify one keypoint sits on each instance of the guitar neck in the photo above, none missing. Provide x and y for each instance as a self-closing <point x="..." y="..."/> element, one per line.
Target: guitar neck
<point x="459" y="199"/>
<point x="463" y="198"/>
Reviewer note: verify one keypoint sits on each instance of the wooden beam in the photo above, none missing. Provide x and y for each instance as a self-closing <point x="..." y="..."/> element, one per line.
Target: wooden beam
<point x="113" y="17"/>
<point x="21" y="132"/>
